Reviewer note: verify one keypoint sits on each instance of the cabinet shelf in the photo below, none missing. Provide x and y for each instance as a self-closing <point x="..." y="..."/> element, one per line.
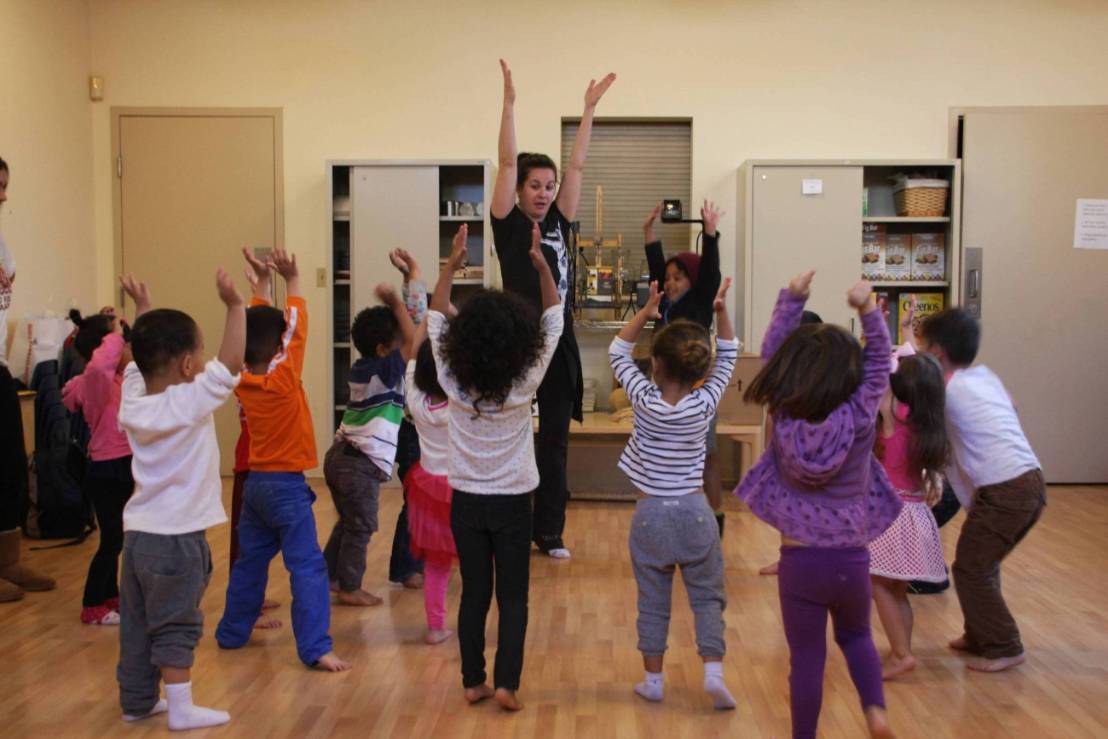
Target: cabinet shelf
<point x="904" y="219"/>
<point x="341" y="215"/>
<point x="910" y="283"/>
<point x="342" y="344"/>
<point x="470" y="281"/>
<point x="461" y="219"/>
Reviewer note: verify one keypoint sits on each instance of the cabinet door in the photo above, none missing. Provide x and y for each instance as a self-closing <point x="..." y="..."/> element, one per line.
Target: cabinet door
<point x="392" y="207"/>
<point x="794" y="232"/>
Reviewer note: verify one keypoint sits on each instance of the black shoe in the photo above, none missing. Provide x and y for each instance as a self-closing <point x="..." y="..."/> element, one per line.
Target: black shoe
<point x="720" y="520"/>
<point x="918" y="587"/>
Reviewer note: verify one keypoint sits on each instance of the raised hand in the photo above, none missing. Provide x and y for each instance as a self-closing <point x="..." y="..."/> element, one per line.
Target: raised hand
<point x="653" y="302"/>
<point x="597" y="89"/>
<point x="648" y="224"/>
<point x="535" y="252"/>
<point x="711" y="215"/>
<point x="720" y="303"/>
<point x="386" y="293"/>
<point x="908" y="317"/>
<point x="259" y="268"/>
<point x="284" y="263"/>
<point x="860" y="295"/>
<point x="137" y="291"/>
<point x="509" y="87"/>
<point x="801" y="284"/>
<point x="252" y="278"/>
<point x="228" y="293"/>
<point x="458" y="251"/>
<point x="405" y="263"/>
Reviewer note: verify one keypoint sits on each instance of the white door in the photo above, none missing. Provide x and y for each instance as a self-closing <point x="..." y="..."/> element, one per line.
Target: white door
<point x="1043" y="303"/>
<point x="794" y="232"/>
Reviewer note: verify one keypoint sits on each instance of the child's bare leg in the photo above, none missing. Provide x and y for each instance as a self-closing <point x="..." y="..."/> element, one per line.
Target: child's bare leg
<point x="268" y="604"/>
<point x="770" y="569"/>
<point x="885" y="596"/>
<point x="268" y="622"/>
<point x="652" y="687"/>
<point x="507" y="700"/>
<point x="357" y="598"/>
<point x="906" y="614"/>
<point x="182" y="713"/>
<point x="331" y="662"/>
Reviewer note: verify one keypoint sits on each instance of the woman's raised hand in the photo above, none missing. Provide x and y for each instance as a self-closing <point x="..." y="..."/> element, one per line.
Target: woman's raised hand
<point x="597" y="89"/>
<point x="509" y="87"/>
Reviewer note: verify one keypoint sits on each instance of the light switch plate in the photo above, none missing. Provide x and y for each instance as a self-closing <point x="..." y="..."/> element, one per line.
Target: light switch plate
<point x="811" y="187"/>
<point x="321" y="277"/>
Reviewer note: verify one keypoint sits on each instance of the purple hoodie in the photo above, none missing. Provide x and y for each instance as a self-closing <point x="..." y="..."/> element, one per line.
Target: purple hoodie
<point x="819" y="483"/>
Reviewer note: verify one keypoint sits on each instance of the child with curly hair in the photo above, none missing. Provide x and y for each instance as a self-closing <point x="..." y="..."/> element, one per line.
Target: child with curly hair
<point x="491" y="359"/>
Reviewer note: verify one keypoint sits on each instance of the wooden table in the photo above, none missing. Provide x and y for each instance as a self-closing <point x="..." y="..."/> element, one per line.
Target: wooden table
<point x="600" y="431"/>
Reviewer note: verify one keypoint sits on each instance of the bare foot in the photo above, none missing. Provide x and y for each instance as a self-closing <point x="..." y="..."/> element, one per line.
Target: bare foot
<point x="268" y="622"/>
<point x="331" y="662"/>
<point x="268" y="604"/>
<point x="981" y="664"/>
<point x="896" y="666"/>
<point x="878" y="722"/>
<point x="437" y="636"/>
<point x="358" y="598"/>
<point x="413" y="582"/>
<point x="769" y="569"/>
<point x="960" y="644"/>
<point x="478" y="694"/>
<point x="507" y="700"/>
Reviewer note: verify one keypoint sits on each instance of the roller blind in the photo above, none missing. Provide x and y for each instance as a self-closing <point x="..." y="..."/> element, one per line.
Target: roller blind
<point x="638" y="164"/>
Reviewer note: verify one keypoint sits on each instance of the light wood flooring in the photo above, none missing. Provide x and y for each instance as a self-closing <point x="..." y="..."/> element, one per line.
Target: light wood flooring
<point x="58" y="676"/>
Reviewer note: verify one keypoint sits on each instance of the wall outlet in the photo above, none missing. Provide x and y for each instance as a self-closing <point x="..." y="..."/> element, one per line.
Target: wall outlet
<point x="321" y="277"/>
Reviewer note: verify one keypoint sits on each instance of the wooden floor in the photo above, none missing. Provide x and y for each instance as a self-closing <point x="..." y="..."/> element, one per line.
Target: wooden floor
<point x="58" y="678"/>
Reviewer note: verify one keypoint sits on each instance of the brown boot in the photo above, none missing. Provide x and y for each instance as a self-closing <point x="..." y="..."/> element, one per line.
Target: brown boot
<point x="9" y="591"/>
<point x="12" y="571"/>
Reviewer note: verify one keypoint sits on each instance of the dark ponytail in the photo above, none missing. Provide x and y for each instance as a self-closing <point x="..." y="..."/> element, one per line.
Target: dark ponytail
<point x="918" y="383"/>
<point x="91" y="331"/>
<point x="4" y="166"/>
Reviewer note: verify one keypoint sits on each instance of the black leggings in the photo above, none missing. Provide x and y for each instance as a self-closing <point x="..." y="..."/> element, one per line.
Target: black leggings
<point x="109" y="484"/>
<point x="13" y="457"/>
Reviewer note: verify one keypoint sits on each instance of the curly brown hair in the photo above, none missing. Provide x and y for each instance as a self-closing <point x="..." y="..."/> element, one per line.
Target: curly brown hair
<point x="491" y="344"/>
<point x="684" y="350"/>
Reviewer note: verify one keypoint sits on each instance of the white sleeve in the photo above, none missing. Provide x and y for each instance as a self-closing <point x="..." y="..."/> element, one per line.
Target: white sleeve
<point x="436" y="328"/>
<point x="727" y="351"/>
<point x="413" y="396"/>
<point x="551" y="325"/>
<point x="188" y="403"/>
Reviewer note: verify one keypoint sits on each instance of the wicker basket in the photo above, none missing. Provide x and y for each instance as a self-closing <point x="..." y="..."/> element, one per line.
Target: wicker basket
<point x="921" y="198"/>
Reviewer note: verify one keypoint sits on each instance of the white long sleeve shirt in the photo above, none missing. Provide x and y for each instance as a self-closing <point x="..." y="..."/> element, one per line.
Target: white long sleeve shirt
<point x="432" y="421"/>
<point x="986" y="438"/>
<point x="176" y="455"/>
<point x="665" y="454"/>
<point x="493" y="453"/>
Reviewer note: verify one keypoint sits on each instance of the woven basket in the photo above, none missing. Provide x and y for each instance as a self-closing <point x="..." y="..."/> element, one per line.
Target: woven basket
<point x="921" y="198"/>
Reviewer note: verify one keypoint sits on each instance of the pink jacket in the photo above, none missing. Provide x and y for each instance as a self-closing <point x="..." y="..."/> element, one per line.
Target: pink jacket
<point x="96" y="393"/>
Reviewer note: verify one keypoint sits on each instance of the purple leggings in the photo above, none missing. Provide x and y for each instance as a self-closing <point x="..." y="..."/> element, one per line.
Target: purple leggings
<point x="813" y="582"/>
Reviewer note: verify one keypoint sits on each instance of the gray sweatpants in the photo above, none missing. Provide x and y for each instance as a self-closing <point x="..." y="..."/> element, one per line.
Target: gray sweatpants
<point x="678" y="532"/>
<point x="355" y="484"/>
<point x="160" y="621"/>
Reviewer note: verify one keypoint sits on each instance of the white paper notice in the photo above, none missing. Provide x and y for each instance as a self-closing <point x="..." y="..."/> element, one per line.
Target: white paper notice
<point x="811" y="187"/>
<point x="1090" y="225"/>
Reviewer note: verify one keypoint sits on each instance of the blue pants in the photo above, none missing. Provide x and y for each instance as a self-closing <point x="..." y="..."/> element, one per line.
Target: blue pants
<point x="277" y="516"/>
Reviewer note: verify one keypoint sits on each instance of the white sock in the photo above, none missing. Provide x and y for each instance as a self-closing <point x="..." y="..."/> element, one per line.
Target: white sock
<point x="559" y="553"/>
<point x="184" y="715"/>
<point x="160" y="707"/>
<point x="651" y="687"/>
<point x="714" y="685"/>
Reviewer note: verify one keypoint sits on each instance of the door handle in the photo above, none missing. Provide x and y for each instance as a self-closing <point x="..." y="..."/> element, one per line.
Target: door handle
<point x="975" y="282"/>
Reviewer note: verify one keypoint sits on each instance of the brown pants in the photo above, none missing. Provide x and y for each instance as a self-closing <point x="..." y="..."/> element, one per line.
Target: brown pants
<point x="1001" y="516"/>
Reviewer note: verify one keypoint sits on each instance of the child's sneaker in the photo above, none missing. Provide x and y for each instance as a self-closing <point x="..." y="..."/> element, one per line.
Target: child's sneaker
<point x="99" y="616"/>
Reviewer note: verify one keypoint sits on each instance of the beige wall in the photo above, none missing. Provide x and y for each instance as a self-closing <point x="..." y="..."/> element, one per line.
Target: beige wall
<point x="46" y="138"/>
<point x="867" y="78"/>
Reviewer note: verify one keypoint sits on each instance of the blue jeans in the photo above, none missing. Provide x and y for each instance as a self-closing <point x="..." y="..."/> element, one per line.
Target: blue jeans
<point x="277" y="516"/>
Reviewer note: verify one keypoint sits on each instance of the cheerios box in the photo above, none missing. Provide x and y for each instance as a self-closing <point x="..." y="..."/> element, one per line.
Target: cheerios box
<point x="898" y="257"/>
<point x="929" y="256"/>
<point x="873" y="251"/>
<point x="926" y="304"/>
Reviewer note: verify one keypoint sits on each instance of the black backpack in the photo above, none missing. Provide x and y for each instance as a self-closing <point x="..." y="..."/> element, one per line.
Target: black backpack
<point x="56" y="506"/>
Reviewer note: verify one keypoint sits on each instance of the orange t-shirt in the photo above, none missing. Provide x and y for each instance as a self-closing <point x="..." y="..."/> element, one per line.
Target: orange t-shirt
<point x="281" y="434"/>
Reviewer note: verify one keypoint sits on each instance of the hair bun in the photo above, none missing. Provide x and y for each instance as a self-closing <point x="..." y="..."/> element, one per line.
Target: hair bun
<point x="75" y="317"/>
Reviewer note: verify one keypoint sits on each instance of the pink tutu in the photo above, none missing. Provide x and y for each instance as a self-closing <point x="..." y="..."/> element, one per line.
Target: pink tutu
<point x="429" y="499"/>
<point x="910" y="548"/>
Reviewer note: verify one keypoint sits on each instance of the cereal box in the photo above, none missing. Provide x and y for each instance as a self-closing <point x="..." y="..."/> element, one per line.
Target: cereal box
<point x="926" y="304"/>
<point x="873" y="251"/>
<point x="929" y="256"/>
<point x="887" y="304"/>
<point x="898" y="257"/>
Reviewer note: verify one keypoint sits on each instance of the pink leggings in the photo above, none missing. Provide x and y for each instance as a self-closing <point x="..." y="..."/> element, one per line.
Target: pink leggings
<point x="435" y="579"/>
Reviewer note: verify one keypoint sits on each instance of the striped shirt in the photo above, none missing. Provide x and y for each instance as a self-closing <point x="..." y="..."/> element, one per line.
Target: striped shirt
<point x="665" y="454"/>
<point x="376" y="407"/>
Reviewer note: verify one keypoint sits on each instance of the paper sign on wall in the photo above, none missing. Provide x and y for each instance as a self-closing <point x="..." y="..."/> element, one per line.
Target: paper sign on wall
<point x="811" y="187"/>
<point x="1090" y="225"/>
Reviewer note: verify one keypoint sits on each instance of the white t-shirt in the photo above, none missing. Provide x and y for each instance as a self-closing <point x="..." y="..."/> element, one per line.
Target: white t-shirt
<point x="7" y="261"/>
<point x="988" y="443"/>
<point x="176" y="456"/>
<point x="432" y="421"/>
<point x="493" y="453"/>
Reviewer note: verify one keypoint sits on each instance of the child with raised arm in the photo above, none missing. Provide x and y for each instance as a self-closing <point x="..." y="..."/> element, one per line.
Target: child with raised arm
<point x="998" y="479"/>
<point x="673" y="523"/>
<point x="166" y="405"/>
<point x="491" y="358"/>
<point x="689" y="282"/>
<point x="819" y="484"/>
<point x="526" y="194"/>
<point x="277" y="502"/>
<point x="364" y="450"/>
